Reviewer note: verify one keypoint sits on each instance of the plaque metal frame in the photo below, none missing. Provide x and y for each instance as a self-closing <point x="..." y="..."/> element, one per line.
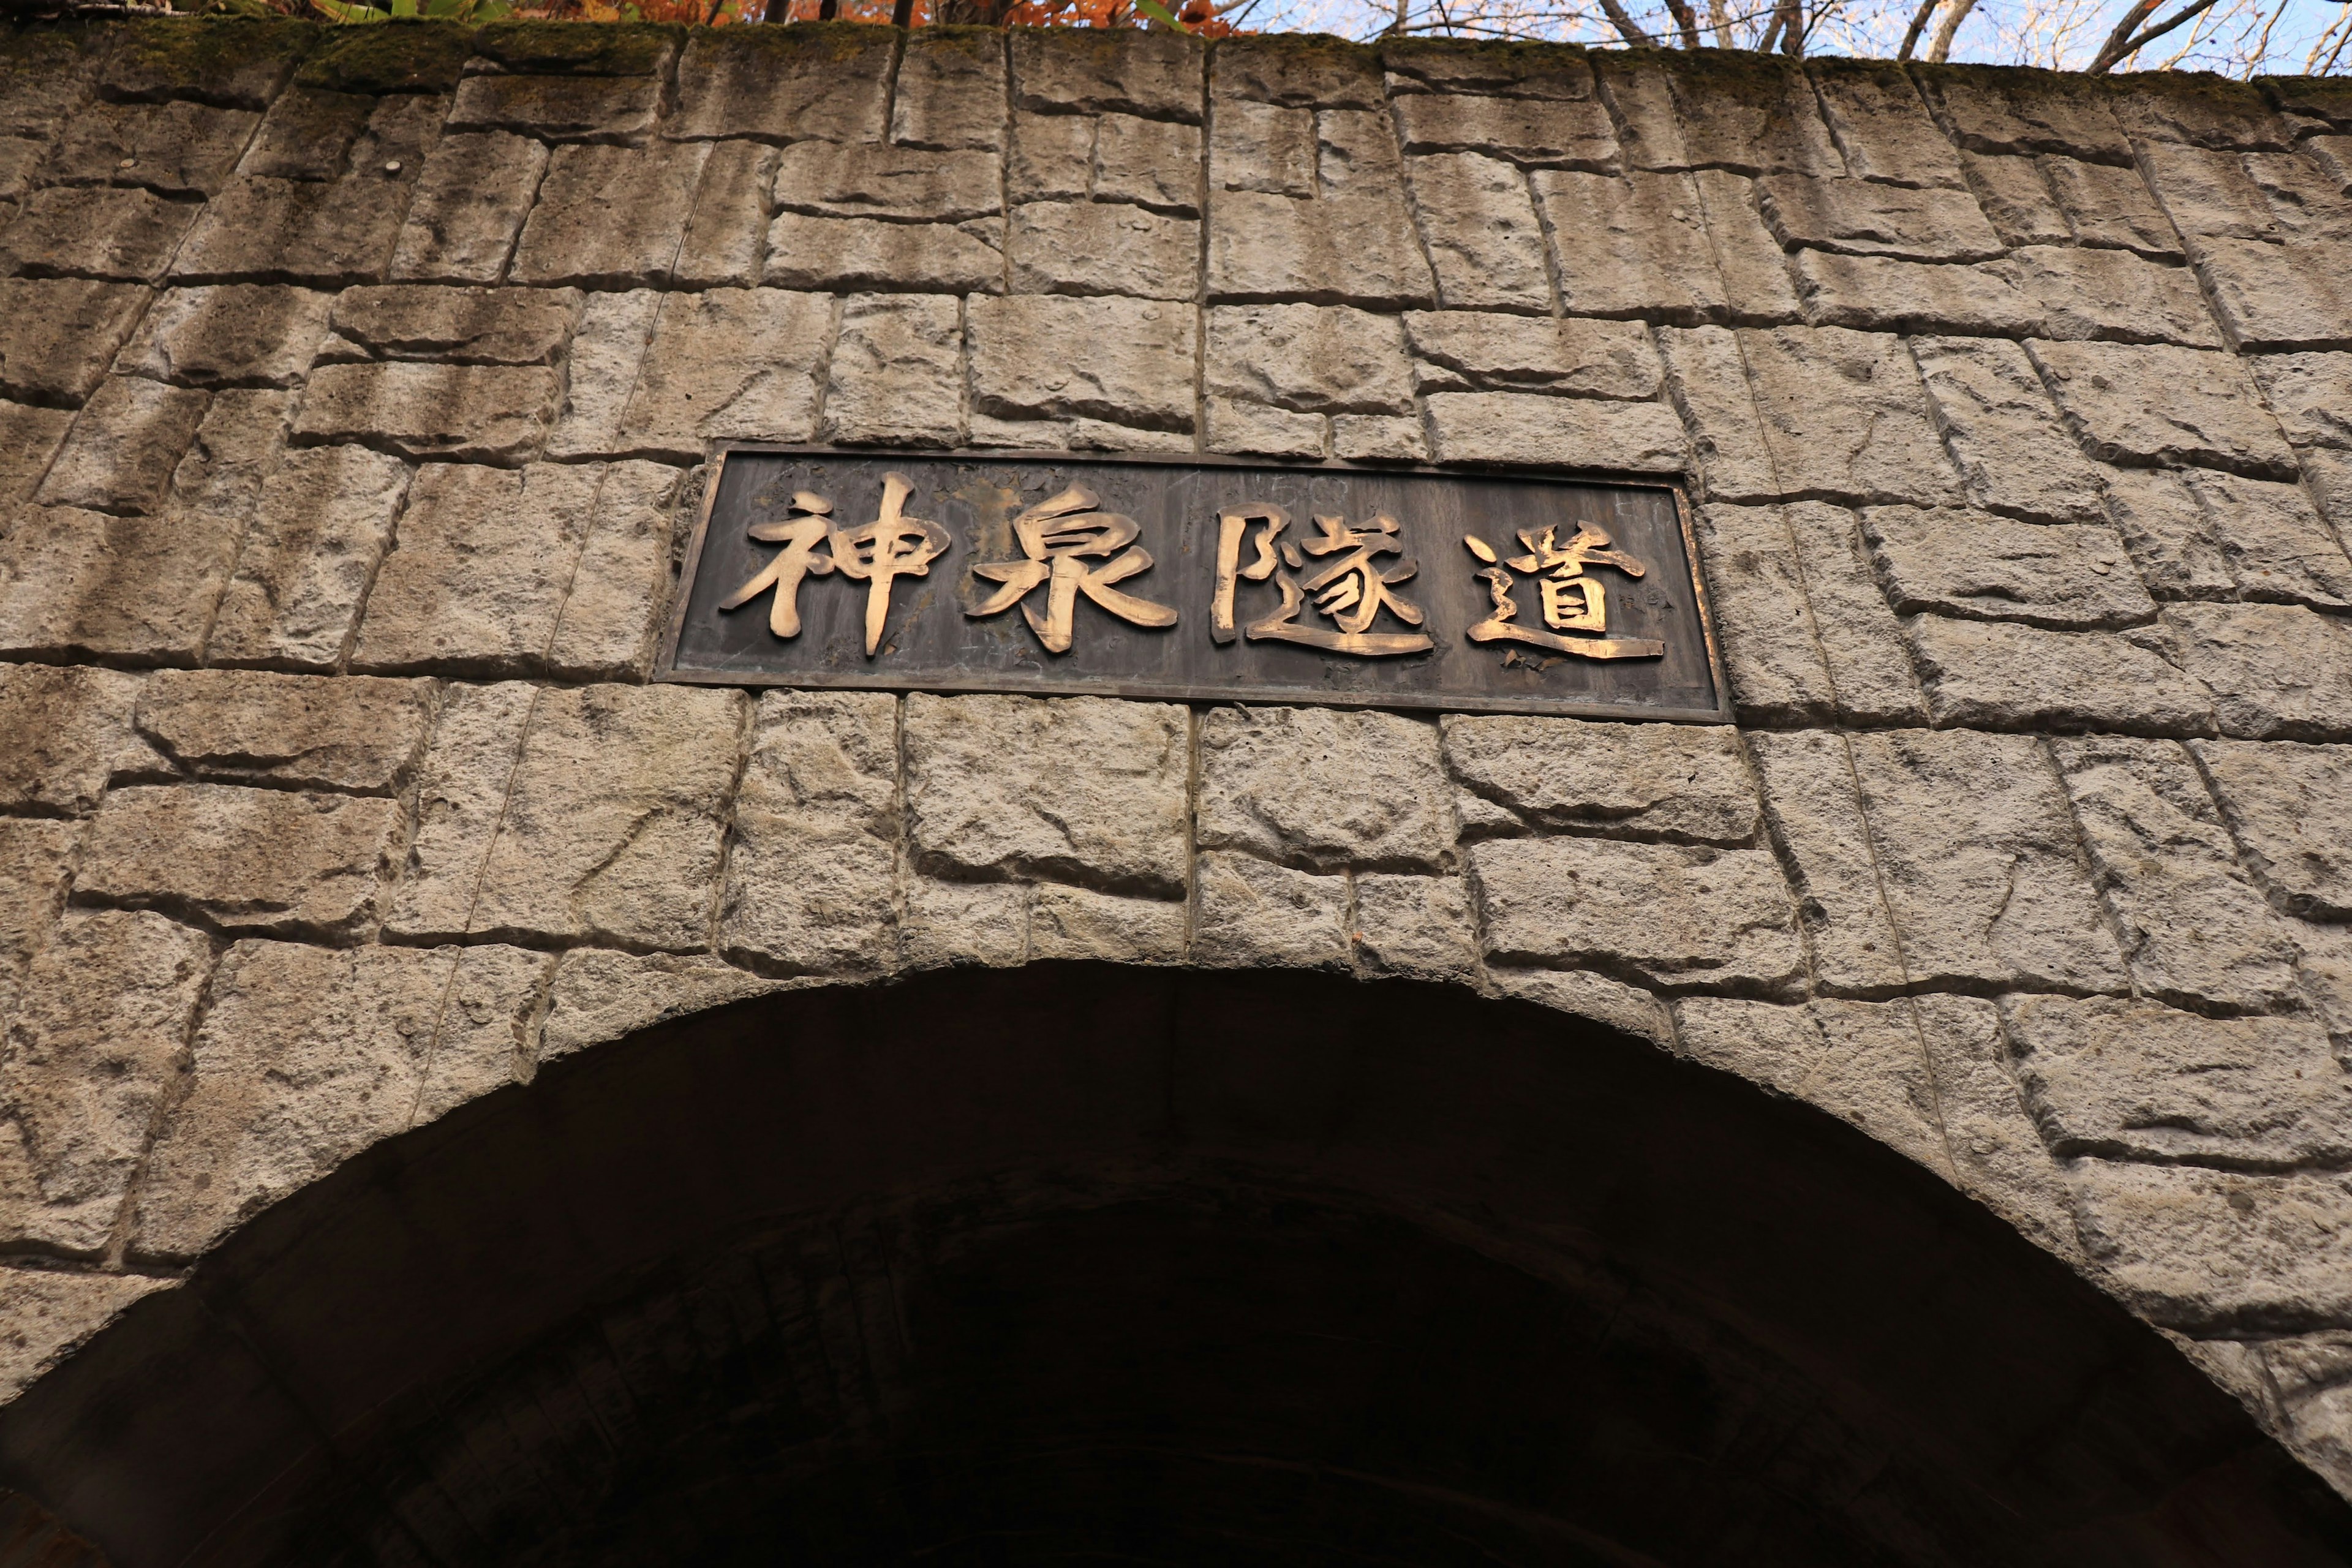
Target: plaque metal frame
<point x="666" y="670"/>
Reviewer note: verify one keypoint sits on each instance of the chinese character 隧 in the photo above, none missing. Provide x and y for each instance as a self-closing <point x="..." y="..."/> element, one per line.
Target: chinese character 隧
<point x="1348" y="585"/>
<point x="1058" y="538"/>
<point x="1572" y="600"/>
<point x="876" y="553"/>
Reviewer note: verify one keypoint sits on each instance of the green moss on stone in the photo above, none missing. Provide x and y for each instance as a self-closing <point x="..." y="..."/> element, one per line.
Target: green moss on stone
<point x="802" y="42"/>
<point x="229" y="61"/>
<point x="2328" y="97"/>
<point x="581" y="48"/>
<point x="397" y="57"/>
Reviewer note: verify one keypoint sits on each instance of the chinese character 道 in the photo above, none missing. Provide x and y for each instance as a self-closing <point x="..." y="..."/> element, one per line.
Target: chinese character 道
<point x="1571" y="601"/>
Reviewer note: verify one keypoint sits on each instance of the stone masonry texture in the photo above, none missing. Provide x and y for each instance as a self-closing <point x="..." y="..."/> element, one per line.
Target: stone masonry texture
<point x="352" y="431"/>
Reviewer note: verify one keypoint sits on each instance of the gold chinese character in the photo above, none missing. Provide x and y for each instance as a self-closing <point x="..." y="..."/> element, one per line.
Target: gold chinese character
<point x="1058" y="537"/>
<point x="800" y="533"/>
<point x="1349" y="591"/>
<point x="1572" y="602"/>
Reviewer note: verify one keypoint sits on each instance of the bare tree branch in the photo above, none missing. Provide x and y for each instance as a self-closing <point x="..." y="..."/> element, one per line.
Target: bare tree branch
<point x="1627" y="29"/>
<point x="2112" y="50"/>
<point x="1792" y="20"/>
<point x="2119" y="46"/>
<point x="1687" y="21"/>
<point x="1942" y="48"/>
<point x="1918" y="25"/>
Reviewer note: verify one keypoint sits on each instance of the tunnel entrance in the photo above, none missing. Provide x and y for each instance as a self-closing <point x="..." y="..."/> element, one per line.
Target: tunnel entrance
<point x="1082" y="1264"/>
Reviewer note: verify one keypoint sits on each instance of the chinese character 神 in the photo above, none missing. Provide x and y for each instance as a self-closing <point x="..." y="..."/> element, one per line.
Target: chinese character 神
<point x="876" y="553"/>
<point x="1057" y="538"/>
<point x="1572" y="602"/>
<point x="1349" y="589"/>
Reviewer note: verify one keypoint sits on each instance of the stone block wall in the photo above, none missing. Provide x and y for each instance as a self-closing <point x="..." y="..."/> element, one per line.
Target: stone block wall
<point x="355" y="387"/>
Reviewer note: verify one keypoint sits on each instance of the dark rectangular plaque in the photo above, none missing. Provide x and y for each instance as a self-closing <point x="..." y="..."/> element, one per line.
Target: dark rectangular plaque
<point x="1196" y="579"/>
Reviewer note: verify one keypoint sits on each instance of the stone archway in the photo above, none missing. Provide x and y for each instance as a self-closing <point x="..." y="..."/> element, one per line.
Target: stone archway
<point x="1079" y="1261"/>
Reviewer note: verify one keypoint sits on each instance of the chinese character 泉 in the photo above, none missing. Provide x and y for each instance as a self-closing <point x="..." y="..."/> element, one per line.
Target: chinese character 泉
<point x="1058" y="538"/>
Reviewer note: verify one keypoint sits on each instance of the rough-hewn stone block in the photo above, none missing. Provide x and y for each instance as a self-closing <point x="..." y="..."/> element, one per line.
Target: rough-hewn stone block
<point x="1569" y="432"/>
<point x="243" y="68"/>
<point x="83" y="581"/>
<point x="464" y="413"/>
<point x="1306" y="71"/>
<point x="2194" y="927"/>
<point x="319" y="529"/>
<point x="1860" y="1060"/>
<point x="264" y="860"/>
<point x="780" y="84"/>
<point x="70" y="732"/>
<point x="1244" y="425"/>
<point x="1473" y="351"/>
<point x="173" y="148"/>
<point x="2311" y="395"/>
<point x="1864" y="217"/>
<point x="2207" y="1251"/>
<point x="232" y="334"/>
<point x="308" y="135"/>
<point x="2038" y="112"/>
<point x="2110" y="294"/>
<point x="2008" y="676"/>
<point x="1631" y="245"/>
<point x="1250" y="914"/>
<point x="1356" y="155"/>
<point x="610" y="217"/>
<point x="1080" y="789"/>
<point x="462" y="326"/>
<point x="2013" y="454"/>
<point x="2110" y="207"/>
<point x="1860" y="638"/>
<point x="2290" y="808"/>
<point x="696" y="384"/>
<point x="1152" y="163"/>
<point x="2154" y="404"/>
<point x="1755" y="118"/>
<point x="2276" y="671"/>
<point x="2016" y="199"/>
<point x="1312" y="358"/>
<point x="57" y="334"/>
<point x="806" y="252"/>
<point x="950" y="92"/>
<point x="1478" y="224"/>
<point x="319" y="232"/>
<point x="29" y="439"/>
<point x="1101" y="248"/>
<point x="124" y="236"/>
<point x="898" y="370"/>
<point x="357" y="736"/>
<point x="1340" y="250"/>
<point x="100" y="1028"/>
<point x="471" y="200"/>
<point x="1419" y="927"/>
<point x="1880" y="294"/>
<point x="558" y="108"/>
<point x="1042" y="355"/>
<point x="1570" y="134"/>
<point x="1771" y="646"/>
<point x="308" y="1056"/>
<point x="1955" y="561"/>
<point x="599" y="996"/>
<point x="1882" y="129"/>
<point x="872" y="180"/>
<point x="1682" y="784"/>
<point x="461" y="793"/>
<point x="2169" y="536"/>
<point x="2271" y="537"/>
<point x="51" y="1313"/>
<point x="813" y="875"/>
<point x="120" y="454"/>
<point x="1671" y="913"/>
<point x="727" y="231"/>
<point x="1815" y="812"/>
<point x="1324" y="789"/>
<point x="1075" y="71"/>
<point x="1252" y="147"/>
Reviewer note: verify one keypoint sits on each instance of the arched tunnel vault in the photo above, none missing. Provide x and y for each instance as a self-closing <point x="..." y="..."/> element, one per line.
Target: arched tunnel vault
<point x="1081" y="1263"/>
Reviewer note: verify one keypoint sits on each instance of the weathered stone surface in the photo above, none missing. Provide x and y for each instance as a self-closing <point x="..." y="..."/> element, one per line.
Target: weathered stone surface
<point x="1955" y="561"/>
<point x="464" y="413"/>
<point x="266" y="860"/>
<point x="2277" y="547"/>
<point x="1479" y="225"/>
<point x="606" y="828"/>
<point x="51" y="1312"/>
<point x="1757" y="285"/>
<point x="779" y="84"/>
<point x="462" y="326"/>
<point x="2110" y="207"/>
<point x="2325" y="955"/>
<point x="695" y="384"/>
<point x="2276" y="298"/>
<point x="1844" y="416"/>
<point x="1997" y="1155"/>
<point x="301" y="732"/>
<point x="98" y="1029"/>
<point x="871" y="180"/>
<point x="947" y="923"/>
<point x="1882" y="129"/>
<point x="74" y="580"/>
<point x="898" y="370"/>
<point x="57" y="334"/>
<point x="2276" y="671"/>
<point x="461" y="793"/>
<point x="307" y="135"/>
<point x="171" y="148"/>
<point x="1373" y="437"/>
<point x="1419" y="927"/>
<point x="812" y="880"/>
<point x="1586" y="996"/>
<point x="29" y="439"/>
<point x="1642" y="105"/>
<point x="1974" y="849"/>
<point x="2016" y="199"/>
<point x="1053" y="158"/>
<point x="1256" y="147"/>
<point x="726" y="233"/>
<point x="2206" y="1250"/>
<point x="1472" y="350"/>
<point x="1114" y="817"/>
<point x="125" y="236"/>
<point x="1323" y="789"/>
<point x="239" y="445"/>
<point x="2194" y="927"/>
<point x="2290" y="808"/>
<point x="471" y="200"/>
<point x="321" y="527"/>
<point x="621" y="585"/>
<point x="1682" y="784"/>
<point x="1248" y="913"/>
<point x="1101" y="248"/>
<point x="1152" y="163"/>
<point x="609" y="218"/>
<point x="228" y="335"/>
<point x="308" y="1055"/>
<point x="2155" y="404"/>
<point x="1880" y="294"/>
<point x="558" y="108"/>
<point x="1864" y="217"/>
<point x="1076" y="71"/>
<point x="1569" y="432"/>
<point x="1771" y="645"/>
<point x="242" y="70"/>
<point x="599" y="996"/>
<point x="1670" y="913"/>
<point x="2135" y="1080"/>
<point x="1356" y="155"/>
<point x="2010" y="677"/>
<point x="477" y="578"/>
<point x="2110" y="294"/>
<point x="1562" y="133"/>
<point x="1321" y="359"/>
<point x="1817" y="823"/>
<point x="1859" y="1060"/>
<point x="2026" y="111"/>
<point x="2013" y="454"/>
<point x="1239" y="425"/>
<point x="2168" y="533"/>
<point x="1302" y="70"/>
<point x="1340" y="250"/>
<point x="864" y="253"/>
<point x="1139" y="369"/>
<point x="1631" y="245"/>
<point x="120" y="452"/>
<point x="69" y="730"/>
<point x="950" y="92"/>
<point x="319" y="232"/>
<point x="1860" y="639"/>
<point x="1751" y="117"/>
<point x="2311" y="395"/>
<point x="1079" y="923"/>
